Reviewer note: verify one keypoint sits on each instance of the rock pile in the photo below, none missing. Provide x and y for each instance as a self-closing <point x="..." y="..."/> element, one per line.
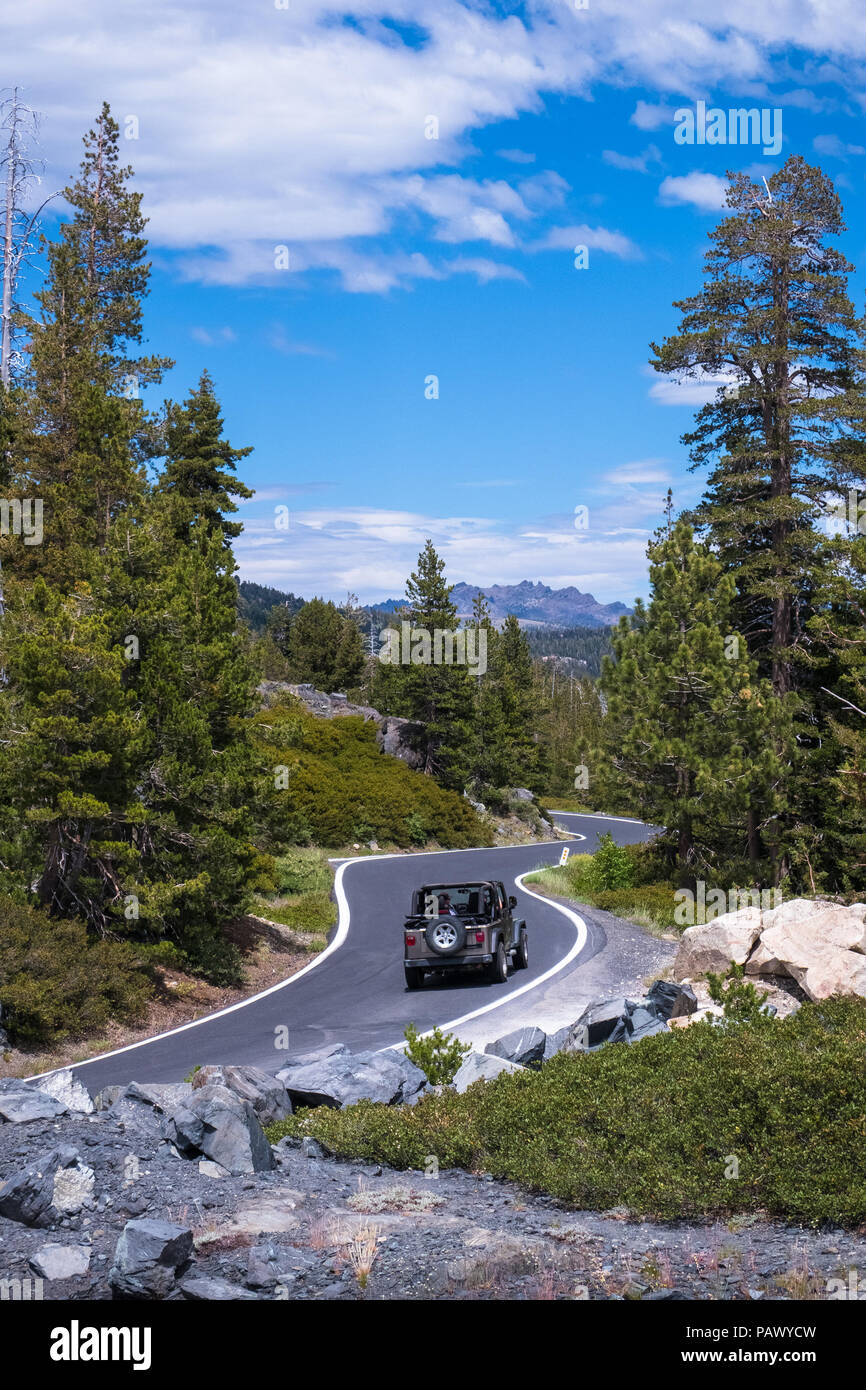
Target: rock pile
<point x="820" y="946"/>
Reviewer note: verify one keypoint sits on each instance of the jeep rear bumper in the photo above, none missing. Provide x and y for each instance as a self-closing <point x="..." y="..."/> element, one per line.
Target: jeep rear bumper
<point x="446" y="962"/>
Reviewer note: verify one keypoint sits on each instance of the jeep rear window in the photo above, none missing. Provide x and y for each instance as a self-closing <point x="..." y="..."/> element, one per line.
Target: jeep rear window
<point x="467" y="900"/>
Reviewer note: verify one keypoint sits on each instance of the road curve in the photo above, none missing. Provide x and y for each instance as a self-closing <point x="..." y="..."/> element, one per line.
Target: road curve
<point x="354" y="992"/>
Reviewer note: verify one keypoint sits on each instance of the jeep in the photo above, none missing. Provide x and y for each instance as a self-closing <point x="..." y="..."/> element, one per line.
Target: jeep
<point x="463" y="926"/>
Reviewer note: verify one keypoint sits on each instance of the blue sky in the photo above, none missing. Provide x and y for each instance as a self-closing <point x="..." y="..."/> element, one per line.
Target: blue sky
<point x="306" y="127"/>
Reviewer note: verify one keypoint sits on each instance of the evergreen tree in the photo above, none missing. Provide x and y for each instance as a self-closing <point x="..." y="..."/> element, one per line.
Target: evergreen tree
<point x="71" y="751"/>
<point x="87" y="435"/>
<point x="199" y="473"/>
<point x="438" y="697"/>
<point x="774" y="316"/>
<point x="324" y="648"/>
<point x="488" y="731"/>
<point x="519" y="704"/>
<point x="693" y="737"/>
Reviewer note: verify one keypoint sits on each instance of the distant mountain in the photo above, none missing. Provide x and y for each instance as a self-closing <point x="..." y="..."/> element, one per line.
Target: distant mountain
<point x="534" y="605"/>
<point x="255" y="602"/>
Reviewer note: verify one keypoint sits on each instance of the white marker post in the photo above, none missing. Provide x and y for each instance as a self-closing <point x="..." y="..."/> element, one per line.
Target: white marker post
<point x="563" y="858"/>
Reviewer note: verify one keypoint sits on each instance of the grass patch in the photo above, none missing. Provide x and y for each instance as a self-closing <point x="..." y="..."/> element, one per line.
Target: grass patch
<point x="612" y="879"/>
<point x="654" y="1127"/>
<point x="302" y="880"/>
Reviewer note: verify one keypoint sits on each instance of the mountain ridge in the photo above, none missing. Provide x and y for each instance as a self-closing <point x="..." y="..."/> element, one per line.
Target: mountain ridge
<point x="533" y="604"/>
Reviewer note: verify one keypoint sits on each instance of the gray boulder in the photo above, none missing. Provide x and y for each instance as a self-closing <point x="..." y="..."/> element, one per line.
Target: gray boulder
<point x="318" y="1054"/>
<point x="481" y="1066"/>
<point x="58" y="1184"/>
<point x="20" y="1103"/>
<point x="269" y="1264"/>
<point x="61" y="1261"/>
<point x="265" y="1093"/>
<point x="143" y="1107"/>
<point x="525" y="1046"/>
<point x="148" y="1259"/>
<point x="200" y="1289"/>
<point x="670" y="1000"/>
<point x="104" y="1099"/>
<point x="643" y="1023"/>
<point x="521" y="794"/>
<point x="163" y="1098"/>
<point x="65" y="1087"/>
<point x="220" y="1125"/>
<point x="342" y="1078"/>
<point x="605" y="1021"/>
<point x="555" y="1042"/>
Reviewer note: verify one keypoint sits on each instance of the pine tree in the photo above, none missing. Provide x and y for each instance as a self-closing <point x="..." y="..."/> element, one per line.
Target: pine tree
<point x="774" y="316"/>
<point x="87" y="435"/>
<point x="438" y="697"/>
<point x="199" y="473"/>
<point x="693" y="737"/>
<point x="324" y="648"/>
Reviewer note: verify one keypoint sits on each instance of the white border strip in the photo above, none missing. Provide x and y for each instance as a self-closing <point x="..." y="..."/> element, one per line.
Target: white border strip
<point x="339" y="937"/>
<point x="579" y="943"/>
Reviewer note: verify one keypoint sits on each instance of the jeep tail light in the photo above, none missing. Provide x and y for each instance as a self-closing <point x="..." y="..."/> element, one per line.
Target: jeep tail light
<point x="479" y="938"/>
<point x="410" y="939"/>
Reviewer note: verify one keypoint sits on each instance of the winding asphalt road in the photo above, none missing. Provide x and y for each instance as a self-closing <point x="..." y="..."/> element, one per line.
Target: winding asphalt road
<point x="354" y="992"/>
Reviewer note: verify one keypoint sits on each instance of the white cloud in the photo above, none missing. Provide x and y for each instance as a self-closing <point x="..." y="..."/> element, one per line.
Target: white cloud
<point x="703" y="191"/>
<point x="212" y="337"/>
<point x="260" y="126"/>
<point x="372" y="551"/>
<point x="595" y="238"/>
<point x="836" y="148"/>
<point x="637" y="163"/>
<point x="691" y="391"/>
<point x="517" y="156"/>
<point x="641" y="471"/>
<point x="648" y="116"/>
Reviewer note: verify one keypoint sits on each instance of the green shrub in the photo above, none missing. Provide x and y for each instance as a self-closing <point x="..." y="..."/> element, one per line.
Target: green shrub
<point x="439" y="1055"/>
<point x="305" y="912"/>
<point x="611" y="867"/>
<point x="55" y="983"/>
<point x="653" y="1126"/>
<point x="739" y="999"/>
<point x="302" y="871"/>
<point x="344" y="789"/>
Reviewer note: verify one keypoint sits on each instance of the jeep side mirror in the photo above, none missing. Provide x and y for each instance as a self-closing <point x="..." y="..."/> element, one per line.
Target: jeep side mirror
<point x="512" y="902"/>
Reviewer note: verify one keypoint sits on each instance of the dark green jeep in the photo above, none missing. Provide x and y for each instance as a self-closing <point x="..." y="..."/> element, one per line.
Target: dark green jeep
<point x="463" y="926"/>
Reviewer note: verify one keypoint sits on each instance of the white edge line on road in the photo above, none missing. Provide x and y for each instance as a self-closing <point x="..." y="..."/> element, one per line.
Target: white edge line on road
<point x="579" y="943"/>
<point x="339" y="937"/>
<point x="599" y="815"/>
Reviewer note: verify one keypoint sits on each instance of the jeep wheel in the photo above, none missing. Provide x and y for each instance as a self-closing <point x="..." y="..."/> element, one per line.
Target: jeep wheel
<point x="414" y="976"/>
<point x="521" y="955"/>
<point x="499" y="968"/>
<point x="445" y="935"/>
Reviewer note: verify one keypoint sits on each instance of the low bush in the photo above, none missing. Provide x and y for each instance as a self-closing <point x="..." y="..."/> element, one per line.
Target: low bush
<point x="615" y="878"/>
<point x="55" y="983"/>
<point x="439" y="1055"/>
<point x="304" y="912"/>
<point x="302" y="871"/>
<point x="342" y="788"/>
<point x="654" y="1126"/>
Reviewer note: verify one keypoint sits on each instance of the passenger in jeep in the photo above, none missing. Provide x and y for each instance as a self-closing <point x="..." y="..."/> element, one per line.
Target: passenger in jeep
<point x="445" y="907"/>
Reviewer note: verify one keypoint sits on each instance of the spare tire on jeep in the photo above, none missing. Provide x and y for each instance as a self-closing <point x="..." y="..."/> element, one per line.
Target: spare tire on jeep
<point x="445" y="935"/>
